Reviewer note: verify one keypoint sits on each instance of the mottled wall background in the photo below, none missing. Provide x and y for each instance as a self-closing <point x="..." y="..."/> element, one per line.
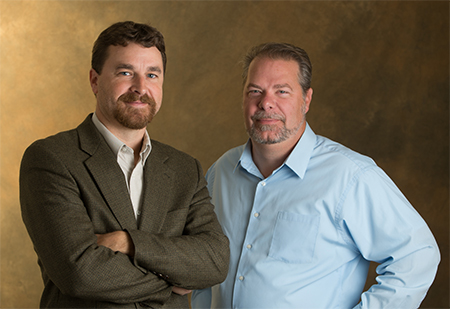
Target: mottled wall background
<point x="380" y="79"/>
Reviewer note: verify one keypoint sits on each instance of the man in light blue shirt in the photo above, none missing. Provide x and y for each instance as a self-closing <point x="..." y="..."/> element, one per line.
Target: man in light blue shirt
<point x="306" y="215"/>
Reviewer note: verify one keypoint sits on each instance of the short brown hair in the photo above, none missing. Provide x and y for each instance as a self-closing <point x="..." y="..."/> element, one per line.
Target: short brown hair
<point x="283" y="51"/>
<point x="124" y="33"/>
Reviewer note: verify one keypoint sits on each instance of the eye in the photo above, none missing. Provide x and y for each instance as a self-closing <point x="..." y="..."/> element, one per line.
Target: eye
<point x="151" y="75"/>
<point x="282" y="92"/>
<point x="125" y="73"/>
<point x="254" y="92"/>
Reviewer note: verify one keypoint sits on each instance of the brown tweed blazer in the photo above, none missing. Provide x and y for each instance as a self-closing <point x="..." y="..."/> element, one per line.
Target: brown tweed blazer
<point x="72" y="188"/>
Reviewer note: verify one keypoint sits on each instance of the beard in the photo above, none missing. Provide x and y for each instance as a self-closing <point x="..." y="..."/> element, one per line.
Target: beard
<point x="131" y="117"/>
<point x="279" y="134"/>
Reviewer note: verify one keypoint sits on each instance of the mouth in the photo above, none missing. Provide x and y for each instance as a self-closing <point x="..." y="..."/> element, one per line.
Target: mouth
<point x="135" y="103"/>
<point x="265" y="119"/>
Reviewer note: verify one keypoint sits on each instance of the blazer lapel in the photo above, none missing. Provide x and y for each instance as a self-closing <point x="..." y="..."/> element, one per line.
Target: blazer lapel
<point x="107" y="174"/>
<point x="158" y="185"/>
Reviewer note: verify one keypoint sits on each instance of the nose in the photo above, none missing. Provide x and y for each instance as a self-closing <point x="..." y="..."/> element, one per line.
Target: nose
<point x="266" y="102"/>
<point x="138" y="85"/>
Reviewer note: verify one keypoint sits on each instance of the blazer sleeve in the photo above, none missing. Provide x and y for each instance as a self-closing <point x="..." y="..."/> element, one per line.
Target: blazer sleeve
<point x="198" y="256"/>
<point x="64" y="238"/>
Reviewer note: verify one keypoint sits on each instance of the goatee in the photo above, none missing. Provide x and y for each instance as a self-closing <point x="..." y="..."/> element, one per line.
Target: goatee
<point x="279" y="134"/>
<point x="131" y="117"/>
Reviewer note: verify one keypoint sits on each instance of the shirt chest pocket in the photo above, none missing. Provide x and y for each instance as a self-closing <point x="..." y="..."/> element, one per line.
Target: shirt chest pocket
<point x="294" y="237"/>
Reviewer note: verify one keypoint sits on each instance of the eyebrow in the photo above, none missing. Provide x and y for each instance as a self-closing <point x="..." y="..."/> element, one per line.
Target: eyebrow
<point x="277" y="86"/>
<point x="253" y="85"/>
<point x="130" y="67"/>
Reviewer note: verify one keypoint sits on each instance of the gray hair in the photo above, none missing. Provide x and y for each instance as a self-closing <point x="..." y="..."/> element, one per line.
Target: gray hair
<point x="283" y="51"/>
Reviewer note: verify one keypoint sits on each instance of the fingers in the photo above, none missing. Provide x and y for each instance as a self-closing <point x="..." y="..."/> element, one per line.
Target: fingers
<point x="180" y="291"/>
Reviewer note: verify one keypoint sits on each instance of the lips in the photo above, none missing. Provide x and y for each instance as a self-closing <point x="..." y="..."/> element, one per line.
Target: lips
<point x="267" y="120"/>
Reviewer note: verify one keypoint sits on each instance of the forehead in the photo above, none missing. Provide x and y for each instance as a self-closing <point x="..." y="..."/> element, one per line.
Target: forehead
<point x="268" y="68"/>
<point x="134" y="54"/>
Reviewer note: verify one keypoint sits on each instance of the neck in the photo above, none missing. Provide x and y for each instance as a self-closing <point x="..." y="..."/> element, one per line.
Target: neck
<point x="131" y="138"/>
<point x="269" y="157"/>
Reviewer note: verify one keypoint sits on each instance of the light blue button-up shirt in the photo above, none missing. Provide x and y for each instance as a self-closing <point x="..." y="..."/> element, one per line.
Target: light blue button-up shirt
<point x="303" y="237"/>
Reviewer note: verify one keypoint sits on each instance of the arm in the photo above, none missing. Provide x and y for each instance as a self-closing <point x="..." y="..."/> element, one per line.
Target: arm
<point x="386" y="229"/>
<point x="196" y="255"/>
<point x="120" y="241"/>
<point x="59" y="224"/>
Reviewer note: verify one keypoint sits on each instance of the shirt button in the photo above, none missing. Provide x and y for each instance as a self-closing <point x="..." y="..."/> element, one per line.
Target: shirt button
<point x="263" y="183"/>
<point x="249" y="246"/>
<point x="256" y="214"/>
<point x="241" y="278"/>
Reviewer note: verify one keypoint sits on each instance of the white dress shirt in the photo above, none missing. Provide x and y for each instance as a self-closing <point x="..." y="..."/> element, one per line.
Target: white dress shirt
<point x="134" y="175"/>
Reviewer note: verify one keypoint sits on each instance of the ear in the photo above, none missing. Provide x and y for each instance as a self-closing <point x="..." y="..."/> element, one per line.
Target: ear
<point x="308" y="98"/>
<point x="93" y="79"/>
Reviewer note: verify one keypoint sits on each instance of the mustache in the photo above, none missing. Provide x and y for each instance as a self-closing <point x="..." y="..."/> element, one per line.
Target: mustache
<point x="133" y="97"/>
<point x="263" y="115"/>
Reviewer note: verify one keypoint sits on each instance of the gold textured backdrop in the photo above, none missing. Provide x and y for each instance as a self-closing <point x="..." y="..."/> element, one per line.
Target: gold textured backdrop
<point x="380" y="79"/>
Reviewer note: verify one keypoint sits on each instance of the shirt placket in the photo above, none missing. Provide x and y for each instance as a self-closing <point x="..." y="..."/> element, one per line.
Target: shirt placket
<point x="243" y="278"/>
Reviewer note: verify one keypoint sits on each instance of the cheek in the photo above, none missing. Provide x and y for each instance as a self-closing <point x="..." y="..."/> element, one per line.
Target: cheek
<point x="111" y="91"/>
<point x="295" y="116"/>
<point x="249" y="106"/>
<point x="158" y="106"/>
<point x="157" y="93"/>
<point x="248" y="111"/>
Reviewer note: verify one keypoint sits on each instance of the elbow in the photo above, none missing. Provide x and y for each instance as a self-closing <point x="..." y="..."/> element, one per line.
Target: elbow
<point x="435" y="257"/>
<point x="215" y="267"/>
<point x="221" y="261"/>
<point x="87" y="285"/>
<point x="432" y="255"/>
<point x="224" y="265"/>
<point x="78" y="285"/>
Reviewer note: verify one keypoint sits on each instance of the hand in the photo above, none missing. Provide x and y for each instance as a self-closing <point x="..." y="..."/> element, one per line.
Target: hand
<point x="180" y="291"/>
<point x="119" y="241"/>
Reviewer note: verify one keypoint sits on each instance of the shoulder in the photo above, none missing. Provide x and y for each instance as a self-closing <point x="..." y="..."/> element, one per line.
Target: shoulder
<point x="338" y="155"/>
<point x="66" y="141"/>
<point x="173" y="158"/>
<point x="229" y="159"/>
<point x="54" y="153"/>
<point x="169" y="151"/>
<point x="225" y="164"/>
<point x="62" y="142"/>
<point x="68" y="146"/>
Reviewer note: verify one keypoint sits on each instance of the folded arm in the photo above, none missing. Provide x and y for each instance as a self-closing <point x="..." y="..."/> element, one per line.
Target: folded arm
<point x="120" y="241"/>
<point x="63" y="233"/>
<point x="199" y="253"/>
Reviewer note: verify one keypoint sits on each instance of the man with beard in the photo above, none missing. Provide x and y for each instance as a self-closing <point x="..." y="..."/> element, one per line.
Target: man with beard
<point x="118" y="220"/>
<point x="306" y="215"/>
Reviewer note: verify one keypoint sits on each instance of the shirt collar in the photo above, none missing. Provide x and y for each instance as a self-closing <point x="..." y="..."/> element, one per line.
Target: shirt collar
<point x="246" y="161"/>
<point x="116" y="144"/>
<point x="297" y="161"/>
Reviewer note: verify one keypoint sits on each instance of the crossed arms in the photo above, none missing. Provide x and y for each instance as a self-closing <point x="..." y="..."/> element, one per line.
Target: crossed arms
<point x="120" y="241"/>
<point x="85" y="252"/>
